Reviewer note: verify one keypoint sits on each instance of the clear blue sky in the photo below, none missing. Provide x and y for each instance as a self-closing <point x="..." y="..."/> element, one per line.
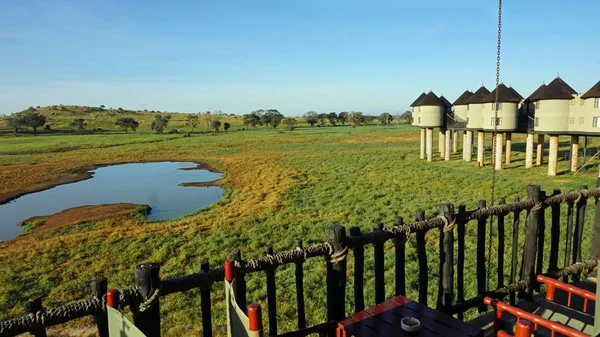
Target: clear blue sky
<point x="237" y="56"/>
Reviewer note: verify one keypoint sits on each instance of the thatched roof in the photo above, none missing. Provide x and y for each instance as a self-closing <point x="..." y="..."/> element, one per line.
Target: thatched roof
<point x="418" y="99"/>
<point x="430" y="99"/>
<point x="516" y="93"/>
<point x="537" y="91"/>
<point x="462" y="99"/>
<point x="505" y="94"/>
<point x="594" y="92"/>
<point x="557" y="89"/>
<point x="478" y="96"/>
<point x="446" y="102"/>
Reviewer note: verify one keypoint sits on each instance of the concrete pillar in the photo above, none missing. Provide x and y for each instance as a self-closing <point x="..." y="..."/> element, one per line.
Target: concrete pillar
<point x="499" y="145"/>
<point x="429" y="145"/>
<point x="539" y="159"/>
<point x="574" y="152"/>
<point x="529" y="151"/>
<point x="464" y="145"/>
<point x="422" y="156"/>
<point x="454" y="141"/>
<point x="508" y="139"/>
<point x="553" y="155"/>
<point x="481" y="148"/>
<point x="442" y="143"/>
<point x="469" y="146"/>
<point x="448" y="137"/>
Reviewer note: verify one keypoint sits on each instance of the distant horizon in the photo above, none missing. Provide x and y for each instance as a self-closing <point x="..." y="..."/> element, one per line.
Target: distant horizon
<point x="296" y="57"/>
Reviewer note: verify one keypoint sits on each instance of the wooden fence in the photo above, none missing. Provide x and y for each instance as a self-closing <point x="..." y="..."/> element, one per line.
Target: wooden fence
<point x="144" y="298"/>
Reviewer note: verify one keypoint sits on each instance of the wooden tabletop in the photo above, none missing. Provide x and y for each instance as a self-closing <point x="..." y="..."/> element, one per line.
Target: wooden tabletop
<point x="384" y="320"/>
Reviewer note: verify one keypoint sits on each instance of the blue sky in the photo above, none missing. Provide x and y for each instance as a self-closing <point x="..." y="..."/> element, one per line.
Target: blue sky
<point x="296" y="56"/>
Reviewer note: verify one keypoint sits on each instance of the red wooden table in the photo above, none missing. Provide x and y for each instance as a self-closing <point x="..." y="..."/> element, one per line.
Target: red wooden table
<point x="384" y="320"/>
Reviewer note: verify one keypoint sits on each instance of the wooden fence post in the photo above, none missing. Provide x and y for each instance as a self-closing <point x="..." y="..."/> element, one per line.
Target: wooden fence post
<point x="271" y="295"/>
<point x="595" y="246"/>
<point x="531" y="237"/>
<point x="554" y="235"/>
<point x="422" y="257"/>
<point x="99" y="289"/>
<point x="336" y="273"/>
<point x="580" y="207"/>
<point x="205" y="304"/>
<point x="514" y="257"/>
<point x="35" y="305"/>
<point x="359" y="272"/>
<point x="239" y="287"/>
<point x="400" y="260"/>
<point x="379" y="266"/>
<point x="147" y="281"/>
<point x="299" y="271"/>
<point x="447" y="276"/>
<point x="500" y="270"/>
<point x="568" y="237"/>
<point x="460" y="256"/>
<point x="481" y="270"/>
<point x="541" y="240"/>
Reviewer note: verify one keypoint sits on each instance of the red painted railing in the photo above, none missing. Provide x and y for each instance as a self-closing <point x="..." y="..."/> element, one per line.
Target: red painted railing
<point x="552" y="285"/>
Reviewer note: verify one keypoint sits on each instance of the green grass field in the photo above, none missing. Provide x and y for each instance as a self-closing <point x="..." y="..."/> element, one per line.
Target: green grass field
<point x="280" y="186"/>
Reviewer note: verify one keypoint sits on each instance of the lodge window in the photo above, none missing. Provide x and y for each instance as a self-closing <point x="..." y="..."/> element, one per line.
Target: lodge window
<point x="581" y="101"/>
<point x="419" y="120"/>
<point x="596" y="102"/>
<point x="595" y="122"/>
<point x="571" y="120"/>
<point x="537" y="104"/>
<point x="581" y="120"/>
<point x="537" y="121"/>
<point x="468" y="105"/>
<point x="499" y="119"/>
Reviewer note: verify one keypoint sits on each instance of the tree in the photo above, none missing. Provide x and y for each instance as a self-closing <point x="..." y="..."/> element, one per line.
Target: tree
<point x="332" y="117"/>
<point x="127" y="123"/>
<point x="321" y="118"/>
<point x="272" y="118"/>
<point x="226" y="126"/>
<point x="343" y="117"/>
<point x="254" y="118"/>
<point x="216" y="124"/>
<point x="356" y="118"/>
<point x="33" y="120"/>
<point x="78" y="124"/>
<point x="102" y="106"/>
<point x="311" y="118"/>
<point x="405" y="118"/>
<point x="160" y="123"/>
<point x="385" y="118"/>
<point x="15" y="123"/>
<point x="192" y="121"/>
<point x="290" y="123"/>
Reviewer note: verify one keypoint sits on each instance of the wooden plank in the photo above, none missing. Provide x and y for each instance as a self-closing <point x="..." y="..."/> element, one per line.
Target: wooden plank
<point x="299" y="272"/>
<point x="422" y="258"/>
<point x="568" y="237"/>
<point x="515" y="246"/>
<point x="460" y="263"/>
<point x="443" y="318"/>
<point x="205" y="305"/>
<point x="400" y="260"/>
<point x="541" y="238"/>
<point x="481" y="269"/>
<point x="271" y="295"/>
<point x="447" y="262"/>
<point x="500" y="269"/>
<point x="554" y="235"/>
<point x="240" y="282"/>
<point x="531" y="238"/>
<point x="99" y="289"/>
<point x="147" y="280"/>
<point x="336" y="275"/>
<point x="379" y="266"/>
<point x="580" y="208"/>
<point x="359" y="272"/>
<point x="595" y="246"/>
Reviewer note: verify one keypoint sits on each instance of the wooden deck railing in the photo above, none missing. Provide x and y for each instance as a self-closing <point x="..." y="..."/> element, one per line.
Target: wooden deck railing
<point x="144" y="298"/>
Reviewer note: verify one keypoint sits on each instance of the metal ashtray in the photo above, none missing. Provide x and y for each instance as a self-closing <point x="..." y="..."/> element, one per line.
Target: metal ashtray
<point x="410" y="324"/>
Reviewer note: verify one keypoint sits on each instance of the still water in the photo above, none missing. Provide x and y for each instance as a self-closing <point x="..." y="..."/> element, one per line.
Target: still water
<point x="154" y="184"/>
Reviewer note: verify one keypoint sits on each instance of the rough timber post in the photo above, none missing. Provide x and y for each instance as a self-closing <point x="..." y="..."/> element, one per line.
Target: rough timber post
<point x="508" y="137"/>
<point x="442" y="141"/>
<point x="529" y="151"/>
<point x="454" y="141"/>
<point x="553" y="155"/>
<point x="481" y="148"/>
<point x="422" y="143"/>
<point x="574" y="152"/>
<point x="469" y="146"/>
<point x="448" y="138"/>
<point x="539" y="159"/>
<point x="498" y="159"/>
<point x="429" y="148"/>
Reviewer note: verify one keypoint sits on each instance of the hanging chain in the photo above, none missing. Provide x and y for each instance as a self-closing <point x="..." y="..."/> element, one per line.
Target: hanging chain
<point x="491" y="234"/>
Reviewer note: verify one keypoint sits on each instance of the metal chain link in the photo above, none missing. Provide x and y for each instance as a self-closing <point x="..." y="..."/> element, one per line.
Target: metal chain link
<point x="491" y="235"/>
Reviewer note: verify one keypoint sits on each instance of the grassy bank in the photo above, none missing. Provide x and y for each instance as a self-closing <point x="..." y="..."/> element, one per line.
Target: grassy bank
<point x="280" y="186"/>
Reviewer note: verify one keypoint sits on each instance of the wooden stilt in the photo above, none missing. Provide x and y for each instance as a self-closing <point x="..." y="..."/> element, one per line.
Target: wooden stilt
<point x="529" y="151"/>
<point x="454" y="141"/>
<point x="553" y="155"/>
<point x="469" y="146"/>
<point x="447" y="148"/>
<point x="574" y="152"/>
<point x="429" y="145"/>
<point x="464" y="145"/>
<point x="481" y="148"/>
<point x="539" y="159"/>
<point x="422" y="156"/>
<point x="498" y="159"/>
<point x="442" y="141"/>
<point x="508" y="137"/>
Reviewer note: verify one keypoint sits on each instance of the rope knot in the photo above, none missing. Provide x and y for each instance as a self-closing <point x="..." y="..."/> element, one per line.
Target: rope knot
<point x="538" y="206"/>
<point x="448" y="225"/>
<point x="150" y="302"/>
<point x="339" y="256"/>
